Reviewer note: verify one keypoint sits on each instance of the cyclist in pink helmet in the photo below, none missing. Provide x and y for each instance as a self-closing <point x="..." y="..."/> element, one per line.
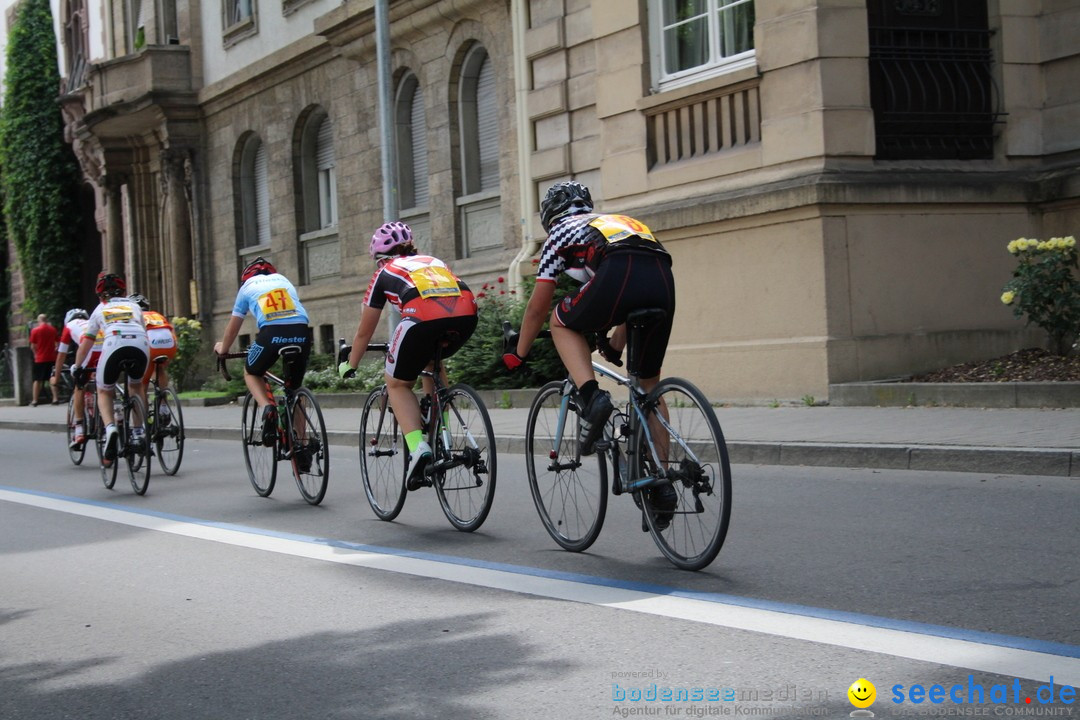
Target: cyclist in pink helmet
<point x="437" y="309"/>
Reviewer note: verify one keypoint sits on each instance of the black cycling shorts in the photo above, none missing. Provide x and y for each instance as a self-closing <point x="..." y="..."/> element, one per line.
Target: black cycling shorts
<point x="413" y="344"/>
<point x="263" y="353"/>
<point x="626" y="280"/>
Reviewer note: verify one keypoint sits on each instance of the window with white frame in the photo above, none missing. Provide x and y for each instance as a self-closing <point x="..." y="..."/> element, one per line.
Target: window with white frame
<point x="254" y="194"/>
<point x="478" y="119"/>
<point x="412" y="144"/>
<point x="695" y="39"/>
<point x="327" y="174"/>
<point x="238" y="11"/>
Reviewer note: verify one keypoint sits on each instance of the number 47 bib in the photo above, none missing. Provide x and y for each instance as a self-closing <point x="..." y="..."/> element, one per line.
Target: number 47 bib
<point x="277" y="304"/>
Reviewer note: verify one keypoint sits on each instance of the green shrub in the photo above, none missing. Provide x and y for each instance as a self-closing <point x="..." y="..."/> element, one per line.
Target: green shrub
<point x="479" y="362"/>
<point x="188" y="344"/>
<point x="1046" y="288"/>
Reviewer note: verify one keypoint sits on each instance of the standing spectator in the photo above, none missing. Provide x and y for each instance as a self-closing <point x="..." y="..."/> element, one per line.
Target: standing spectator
<point x="43" y="343"/>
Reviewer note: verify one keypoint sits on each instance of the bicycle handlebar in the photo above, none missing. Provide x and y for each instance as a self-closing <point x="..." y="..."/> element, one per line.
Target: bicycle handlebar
<point x="223" y="368"/>
<point x="344" y="350"/>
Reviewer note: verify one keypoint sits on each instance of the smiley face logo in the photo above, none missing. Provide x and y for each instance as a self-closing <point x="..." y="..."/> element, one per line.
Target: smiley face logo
<point x="862" y="693"/>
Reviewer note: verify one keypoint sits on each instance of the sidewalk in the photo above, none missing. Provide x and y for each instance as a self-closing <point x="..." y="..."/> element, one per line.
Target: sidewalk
<point x="1004" y="441"/>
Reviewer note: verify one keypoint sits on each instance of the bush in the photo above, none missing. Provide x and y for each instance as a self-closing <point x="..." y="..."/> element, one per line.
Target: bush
<point x="479" y="362"/>
<point x="1046" y="288"/>
<point x="188" y="343"/>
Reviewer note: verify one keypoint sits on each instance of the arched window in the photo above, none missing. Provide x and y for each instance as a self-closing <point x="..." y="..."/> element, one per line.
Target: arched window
<point x="412" y="158"/>
<point x="317" y="196"/>
<point x="478" y="204"/>
<point x="254" y="194"/>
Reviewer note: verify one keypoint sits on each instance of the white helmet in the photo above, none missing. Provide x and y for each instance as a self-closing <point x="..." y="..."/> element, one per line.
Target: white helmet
<point x="75" y="313"/>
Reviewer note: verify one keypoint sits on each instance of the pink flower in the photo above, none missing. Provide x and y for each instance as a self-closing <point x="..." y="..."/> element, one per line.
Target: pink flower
<point x="481" y="294"/>
<point x="501" y="279"/>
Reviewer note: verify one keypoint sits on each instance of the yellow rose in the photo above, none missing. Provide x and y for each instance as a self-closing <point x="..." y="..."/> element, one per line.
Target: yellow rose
<point x="1007" y="297"/>
<point x="1070" y="242"/>
<point x="1012" y="247"/>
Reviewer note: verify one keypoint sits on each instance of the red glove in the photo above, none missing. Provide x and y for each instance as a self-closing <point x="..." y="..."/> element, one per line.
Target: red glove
<point x="512" y="360"/>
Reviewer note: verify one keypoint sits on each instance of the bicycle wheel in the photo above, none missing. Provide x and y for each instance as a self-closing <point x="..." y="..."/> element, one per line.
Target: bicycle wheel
<point x="311" y="450"/>
<point x="76" y="455"/>
<point x="570" y="491"/>
<point x="688" y="525"/>
<point x="109" y="472"/>
<point x="465" y="462"/>
<point x="260" y="460"/>
<point x="168" y="435"/>
<point x="136" y="452"/>
<point x="382" y="456"/>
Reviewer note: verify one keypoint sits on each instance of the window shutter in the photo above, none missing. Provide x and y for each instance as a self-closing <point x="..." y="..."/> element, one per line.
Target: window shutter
<point x="262" y="197"/>
<point x="418" y="128"/>
<point x="487" y="123"/>
<point x="324" y="146"/>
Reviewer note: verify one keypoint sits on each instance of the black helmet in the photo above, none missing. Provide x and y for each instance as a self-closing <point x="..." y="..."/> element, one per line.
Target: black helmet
<point x="561" y="199"/>
<point x="140" y="300"/>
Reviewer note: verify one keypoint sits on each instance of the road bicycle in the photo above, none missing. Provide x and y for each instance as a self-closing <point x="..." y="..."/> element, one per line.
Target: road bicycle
<point x="300" y="437"/>
<point x="665" y="448"/>
<point x="457" y="427"/>
<point x="88" y="419"/>
<point x="129" y="413"/>
<point x="166" y="435"/>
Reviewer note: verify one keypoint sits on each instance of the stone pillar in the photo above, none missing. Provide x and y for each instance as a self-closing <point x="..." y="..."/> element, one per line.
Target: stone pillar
<point x="114" y="224"/>
<point x="177" y="228"/>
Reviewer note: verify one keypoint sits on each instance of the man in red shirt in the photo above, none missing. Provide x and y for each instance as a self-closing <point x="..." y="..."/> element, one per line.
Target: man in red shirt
<point x="43" y="343"/>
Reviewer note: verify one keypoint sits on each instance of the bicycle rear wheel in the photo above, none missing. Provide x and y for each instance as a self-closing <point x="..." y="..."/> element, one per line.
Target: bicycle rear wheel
<point x="169" y="434"/>
<point x="382" y="460"/>
<point x="465" y="460"/>
<point x="260" y="460"/>
<point x="136" y="452"/>
<point x="76" y="454"/>
<point x="687" y="519"/>
<point x="108" y="472"/>
<point x="570" y="491"/>
<point x="311" y="450"/>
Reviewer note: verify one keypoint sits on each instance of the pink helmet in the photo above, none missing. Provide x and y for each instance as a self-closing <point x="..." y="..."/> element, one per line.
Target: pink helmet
<point x="388" y="237"/>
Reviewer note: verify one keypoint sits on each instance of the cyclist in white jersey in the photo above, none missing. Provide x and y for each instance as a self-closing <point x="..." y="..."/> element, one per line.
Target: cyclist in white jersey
<point x="281" y="320"/>
<point x="74" y="324"/>
<point x="119" y="320"/>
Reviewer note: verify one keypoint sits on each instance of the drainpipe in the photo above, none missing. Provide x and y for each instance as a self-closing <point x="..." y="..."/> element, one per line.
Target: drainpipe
<point x="527" y="198"/>
<point x="386" y="114"/>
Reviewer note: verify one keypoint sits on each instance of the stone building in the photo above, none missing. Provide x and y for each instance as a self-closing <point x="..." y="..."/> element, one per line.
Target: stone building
<point x="836" y="179"/>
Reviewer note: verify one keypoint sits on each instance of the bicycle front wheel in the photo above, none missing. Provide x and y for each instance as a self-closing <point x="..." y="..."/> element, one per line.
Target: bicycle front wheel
<point x="688" y="518"/>
<point x="465" y="461"/>
<point x="260" y="460"/>
<point x="382" y="460"/>
<point x="570" y="491"/>
<point x="310" y="449"/>
<point x="75" y="453"/>
<point x="136" y="451"/>
<point x="168" y="431"/>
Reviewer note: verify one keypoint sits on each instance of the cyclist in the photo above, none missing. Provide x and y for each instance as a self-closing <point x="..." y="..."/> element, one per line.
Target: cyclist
<point x="436" y="307"/>
<point x="162" y="339"/>
<point x="623" y="267"/>
<point x="74" y="324"/>
<point x="282" y="321"/>
<point x="119" y="321"/>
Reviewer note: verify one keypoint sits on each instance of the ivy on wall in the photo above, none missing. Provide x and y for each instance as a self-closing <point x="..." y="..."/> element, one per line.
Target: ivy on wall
<point x="39" y="172"/>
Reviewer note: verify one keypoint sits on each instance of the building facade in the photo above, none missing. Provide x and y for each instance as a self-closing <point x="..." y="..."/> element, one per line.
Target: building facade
<point x="835" y="179"/>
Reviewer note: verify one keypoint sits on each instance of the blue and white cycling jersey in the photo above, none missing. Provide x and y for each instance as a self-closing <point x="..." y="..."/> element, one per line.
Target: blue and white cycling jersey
<point x="271" y="299"/>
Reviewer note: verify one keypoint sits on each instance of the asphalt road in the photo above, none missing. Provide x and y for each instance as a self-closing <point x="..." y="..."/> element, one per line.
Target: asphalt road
<point x="204" y="600"/>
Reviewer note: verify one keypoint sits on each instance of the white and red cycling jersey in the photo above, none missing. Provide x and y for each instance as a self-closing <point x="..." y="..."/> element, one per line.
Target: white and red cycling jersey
<point x="421" y="287"/>
<point x="72" y="336"/>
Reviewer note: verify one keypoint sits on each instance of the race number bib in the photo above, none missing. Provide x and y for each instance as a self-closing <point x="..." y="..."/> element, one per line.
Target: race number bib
<point x="434" y="281"/>
<point x="277" y="304"/>
<point x="620" y="227"/>
<point x="119" y="314"/>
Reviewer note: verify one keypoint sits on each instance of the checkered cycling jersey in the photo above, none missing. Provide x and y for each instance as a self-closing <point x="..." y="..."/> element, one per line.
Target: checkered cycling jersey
<point x="421" y="287"/>
<point x="577" y="244"/>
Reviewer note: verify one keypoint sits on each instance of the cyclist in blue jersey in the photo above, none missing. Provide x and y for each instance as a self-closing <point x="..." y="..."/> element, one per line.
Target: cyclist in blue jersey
<point x="281" y="321"/>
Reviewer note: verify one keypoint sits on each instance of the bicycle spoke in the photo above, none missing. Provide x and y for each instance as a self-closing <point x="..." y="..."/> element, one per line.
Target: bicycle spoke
<point x="382" y="460"/>
<point x="465" y="462"/>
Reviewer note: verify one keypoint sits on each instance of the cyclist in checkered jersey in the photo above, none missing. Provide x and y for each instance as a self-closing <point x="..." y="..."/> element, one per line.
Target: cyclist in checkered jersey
<point x="623" y="267"/>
